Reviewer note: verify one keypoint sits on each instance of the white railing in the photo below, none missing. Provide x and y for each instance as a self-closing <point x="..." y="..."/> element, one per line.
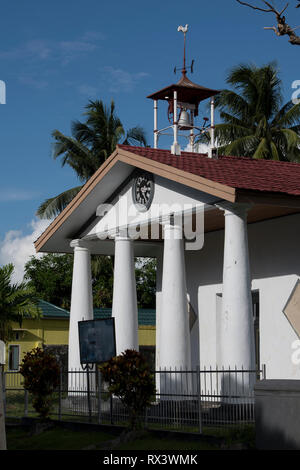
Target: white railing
<point x="185" y="400"/>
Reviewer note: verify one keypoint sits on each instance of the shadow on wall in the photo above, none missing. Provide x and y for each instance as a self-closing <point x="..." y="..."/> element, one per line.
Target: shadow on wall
<point x="277" y="411"/>
<point x="274" y="250"/>
<point x="272" y="439"/>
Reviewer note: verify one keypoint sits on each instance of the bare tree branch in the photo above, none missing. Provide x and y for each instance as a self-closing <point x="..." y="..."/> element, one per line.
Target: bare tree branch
<point x="277" y="13"/>
<point x="254" y="7"/>
<point x="282" y="27"/>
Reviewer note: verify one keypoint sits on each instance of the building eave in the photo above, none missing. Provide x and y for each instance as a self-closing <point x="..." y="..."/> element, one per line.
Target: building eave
<point x="133" y="160"/>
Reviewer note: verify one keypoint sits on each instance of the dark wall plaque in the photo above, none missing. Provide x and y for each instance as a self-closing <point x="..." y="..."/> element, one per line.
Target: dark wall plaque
<point x="97" y="341"/>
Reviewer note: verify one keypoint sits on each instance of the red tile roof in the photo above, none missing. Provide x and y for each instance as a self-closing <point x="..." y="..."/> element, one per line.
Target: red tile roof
<point x="236" y="172"/>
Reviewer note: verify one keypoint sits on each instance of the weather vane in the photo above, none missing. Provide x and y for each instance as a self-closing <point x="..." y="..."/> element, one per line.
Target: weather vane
<point x="184" y="30"/>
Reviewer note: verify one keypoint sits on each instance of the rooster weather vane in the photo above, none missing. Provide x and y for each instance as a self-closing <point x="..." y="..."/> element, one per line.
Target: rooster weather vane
<point x="184" y="30"/>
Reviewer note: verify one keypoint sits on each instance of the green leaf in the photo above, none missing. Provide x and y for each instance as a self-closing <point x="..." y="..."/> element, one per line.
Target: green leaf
<point x="53" y="206"/>
<point x="90" y="144"/>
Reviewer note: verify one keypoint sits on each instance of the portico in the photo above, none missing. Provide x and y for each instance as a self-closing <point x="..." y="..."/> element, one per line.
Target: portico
<point x="213" y="279"/>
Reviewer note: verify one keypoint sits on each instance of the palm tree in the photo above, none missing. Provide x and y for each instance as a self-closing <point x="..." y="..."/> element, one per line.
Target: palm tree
<point x="16" y="302"/>
<point x="92" y="142"/>
<point x="255" y="124"/>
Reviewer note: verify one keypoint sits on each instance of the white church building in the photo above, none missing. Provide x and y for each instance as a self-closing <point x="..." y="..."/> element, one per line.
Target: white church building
<point x="225" y="233"/>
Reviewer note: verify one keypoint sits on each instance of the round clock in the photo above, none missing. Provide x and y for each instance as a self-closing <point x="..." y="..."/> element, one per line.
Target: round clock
<point x="143" y="191"/>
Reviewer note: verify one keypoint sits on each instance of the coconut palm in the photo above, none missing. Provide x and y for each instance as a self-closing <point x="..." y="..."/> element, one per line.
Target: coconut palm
<point x="255" y="124"/>
<point x="89" y="146"/>
<point x="16" y="302"/>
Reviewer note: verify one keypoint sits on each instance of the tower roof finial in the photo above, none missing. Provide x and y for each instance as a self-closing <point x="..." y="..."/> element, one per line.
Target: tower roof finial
<point x="184" y="30"/>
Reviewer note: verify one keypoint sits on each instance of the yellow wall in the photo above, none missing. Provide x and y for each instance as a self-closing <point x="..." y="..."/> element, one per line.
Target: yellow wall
<point x="35" y="333"/>
<point x="146" y="335"/>
<point x="56" y="331"/>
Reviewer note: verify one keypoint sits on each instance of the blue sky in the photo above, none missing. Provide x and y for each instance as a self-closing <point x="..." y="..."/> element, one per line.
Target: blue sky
<point x="55" y="56"/>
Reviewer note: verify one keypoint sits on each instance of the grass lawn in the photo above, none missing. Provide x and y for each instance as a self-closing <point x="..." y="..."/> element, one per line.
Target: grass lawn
<point x="53" y="439"/>
<point x="166" y="444"/>
<point x="63" y="439"/>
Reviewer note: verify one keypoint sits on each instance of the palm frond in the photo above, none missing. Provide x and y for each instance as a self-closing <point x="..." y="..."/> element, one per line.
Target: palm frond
<point x="242" y="147"/>
<point x="263" y="150"/>
<point x="135" y="135"/>
<point x="53" y="206"/>
<point x="91" y="143"/>
<point x="231" y="102"/>
<point x="281" y="113"/>
<point x="76" y="155"/>
<point x="226" y="133"/>
<point x="290" y="117"/>
<point x="254" y="121"/>
<point x="16" y="302"/>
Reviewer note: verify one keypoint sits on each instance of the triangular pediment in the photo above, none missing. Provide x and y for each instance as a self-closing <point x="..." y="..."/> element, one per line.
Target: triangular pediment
<point x="108" y="183"/>
<point x="189" y="177"/>
<point x="128" y="208"/>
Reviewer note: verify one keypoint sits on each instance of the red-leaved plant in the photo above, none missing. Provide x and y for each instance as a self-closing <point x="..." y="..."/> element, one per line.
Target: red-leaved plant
<point x="130" y="379"/>
<point x="41" y="377"/>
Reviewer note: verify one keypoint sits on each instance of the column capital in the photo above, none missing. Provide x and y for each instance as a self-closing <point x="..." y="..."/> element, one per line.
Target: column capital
<point x="234" y="208"/>
<point x="122" y="234"/>
<point x="172" y="231"/>
<point x="79" y="243"/>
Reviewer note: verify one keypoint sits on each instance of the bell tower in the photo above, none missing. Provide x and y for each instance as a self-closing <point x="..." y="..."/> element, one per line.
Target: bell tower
<point x="183" y="100"/>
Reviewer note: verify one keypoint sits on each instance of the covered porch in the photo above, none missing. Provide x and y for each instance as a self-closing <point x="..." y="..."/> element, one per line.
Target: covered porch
<point x="88" y="226"/>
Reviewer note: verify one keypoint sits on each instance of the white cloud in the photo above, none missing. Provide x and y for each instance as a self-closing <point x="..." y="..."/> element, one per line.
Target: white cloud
<point x="88" y="90"/>
<point x="17" y="247"/>
<point x="12" y="194"/>
<point x="199" y="148"/>
<point x="37" y="50"/>
<point x="68" y="47"/>
<point x="93" y="36"/>
<point x="30" y="80"/>
<point x="70" y="50"/>
<point x="121" y="80"/>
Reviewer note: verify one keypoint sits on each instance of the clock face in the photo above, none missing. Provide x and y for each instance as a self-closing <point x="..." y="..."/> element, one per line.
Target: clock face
<point x="143" y="190"/>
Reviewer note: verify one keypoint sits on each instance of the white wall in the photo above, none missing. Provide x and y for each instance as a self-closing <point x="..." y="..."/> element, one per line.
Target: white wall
<point x="275" y="266"/>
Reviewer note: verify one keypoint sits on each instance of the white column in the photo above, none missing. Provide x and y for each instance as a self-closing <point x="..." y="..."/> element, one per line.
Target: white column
<point x="159" y="265"/>
<point x="174" y="335"/>
<point x="155" y="125"/>
<point x="124" y="308"/>
<point x="81" y="299"/>
<point x="212" y="127"/>
<point x="175" y="147"/>
<point x="192" y="133"/>
<point x="236" y="322"/>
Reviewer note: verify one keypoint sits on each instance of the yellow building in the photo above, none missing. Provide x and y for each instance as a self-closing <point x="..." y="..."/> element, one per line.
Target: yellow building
<point x="51" y="332"/>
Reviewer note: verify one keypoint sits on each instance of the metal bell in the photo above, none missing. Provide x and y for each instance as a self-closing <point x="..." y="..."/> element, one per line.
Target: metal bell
<point x="184" y="120"/>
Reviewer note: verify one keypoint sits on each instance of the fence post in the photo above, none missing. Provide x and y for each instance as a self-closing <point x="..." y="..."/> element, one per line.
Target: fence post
<point x="199" y="399"/>
<point x="26" y="403"/>
<point x="111" y="410"/>
<point x="99" y="395"/>
<point x="3" y="445"/>
<point x="4" y="389"/>
<point x="60" y="393"/>
<point x="264" y="372"/>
